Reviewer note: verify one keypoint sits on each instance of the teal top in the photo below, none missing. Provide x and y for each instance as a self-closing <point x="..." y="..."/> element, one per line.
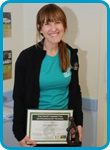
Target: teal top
<point x="54" y="84"/>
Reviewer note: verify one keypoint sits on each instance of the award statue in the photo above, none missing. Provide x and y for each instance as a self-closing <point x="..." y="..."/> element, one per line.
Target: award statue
<point x="72" y="135"/>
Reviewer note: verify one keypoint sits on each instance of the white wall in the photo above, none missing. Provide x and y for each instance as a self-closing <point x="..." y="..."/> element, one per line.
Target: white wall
<point x="87" y="31"/>
<point x="14" y="43"/>
<point x="84" y="32"/>
<point x="102" y="91"/>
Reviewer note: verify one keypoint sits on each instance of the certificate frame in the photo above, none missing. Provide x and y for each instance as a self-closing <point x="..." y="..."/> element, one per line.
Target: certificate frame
<point x="48" y="126"/>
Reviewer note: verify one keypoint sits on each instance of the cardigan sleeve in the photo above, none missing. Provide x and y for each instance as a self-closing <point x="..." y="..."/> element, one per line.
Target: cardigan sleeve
<point x="78" y="114"/>
<point x="19" y="97"/>
<point x="75" y="90"/>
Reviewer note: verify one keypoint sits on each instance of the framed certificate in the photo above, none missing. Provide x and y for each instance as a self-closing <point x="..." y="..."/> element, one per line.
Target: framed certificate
<point x="48" y="126"/>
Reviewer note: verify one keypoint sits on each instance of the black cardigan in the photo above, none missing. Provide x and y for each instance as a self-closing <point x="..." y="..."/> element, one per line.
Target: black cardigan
<point x="26" y="87"/>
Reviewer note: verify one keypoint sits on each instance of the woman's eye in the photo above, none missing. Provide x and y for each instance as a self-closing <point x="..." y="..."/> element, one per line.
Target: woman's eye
<point x="58" y="22"/>
<point x="46" y="23"/>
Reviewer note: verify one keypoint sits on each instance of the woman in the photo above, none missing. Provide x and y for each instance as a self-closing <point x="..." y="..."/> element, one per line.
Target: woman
<point x="46" y="75"/>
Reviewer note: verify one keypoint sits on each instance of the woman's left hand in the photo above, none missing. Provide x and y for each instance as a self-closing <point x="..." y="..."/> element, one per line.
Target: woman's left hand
<point x="80" y="130"/>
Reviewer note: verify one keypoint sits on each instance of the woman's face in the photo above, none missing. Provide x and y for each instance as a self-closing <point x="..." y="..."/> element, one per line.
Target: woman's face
<point x="52" y="31"/>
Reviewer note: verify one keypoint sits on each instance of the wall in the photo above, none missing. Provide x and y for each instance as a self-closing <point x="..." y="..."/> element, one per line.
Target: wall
<point x="102" y="80"/>
<point x="86" y="31"/>
<point x="14" y="43"/>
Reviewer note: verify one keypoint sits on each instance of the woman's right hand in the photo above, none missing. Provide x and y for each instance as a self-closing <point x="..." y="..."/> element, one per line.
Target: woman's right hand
<point x="24" y="141"/>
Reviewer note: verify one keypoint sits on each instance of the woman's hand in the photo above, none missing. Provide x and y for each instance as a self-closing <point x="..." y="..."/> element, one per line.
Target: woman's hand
<point x="80" y="130"/>
<point x="24" y="141"/>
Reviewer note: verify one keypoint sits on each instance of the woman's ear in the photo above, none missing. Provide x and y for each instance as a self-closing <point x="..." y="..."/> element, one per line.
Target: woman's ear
<point x="38" y="27"/>
<point x="39" y="30"/>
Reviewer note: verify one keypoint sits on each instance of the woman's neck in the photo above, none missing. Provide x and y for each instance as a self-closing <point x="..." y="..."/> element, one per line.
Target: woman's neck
<point x="51" y="49"/>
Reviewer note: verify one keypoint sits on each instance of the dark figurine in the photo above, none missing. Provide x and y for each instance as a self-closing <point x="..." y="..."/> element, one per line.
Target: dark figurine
<point x="72" y="135"/>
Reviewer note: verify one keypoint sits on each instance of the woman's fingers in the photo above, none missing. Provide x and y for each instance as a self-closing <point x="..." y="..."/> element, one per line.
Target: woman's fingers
<point x="27" y="142"/>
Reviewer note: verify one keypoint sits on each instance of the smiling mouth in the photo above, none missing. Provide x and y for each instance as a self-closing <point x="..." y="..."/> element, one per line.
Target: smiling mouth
<point x="54" y="34"/>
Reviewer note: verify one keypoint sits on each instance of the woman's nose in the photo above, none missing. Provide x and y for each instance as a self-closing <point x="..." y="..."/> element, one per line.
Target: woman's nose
<point x="53" y="26"/>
